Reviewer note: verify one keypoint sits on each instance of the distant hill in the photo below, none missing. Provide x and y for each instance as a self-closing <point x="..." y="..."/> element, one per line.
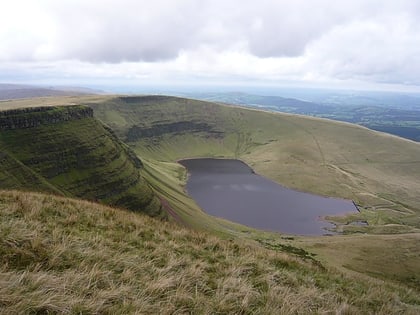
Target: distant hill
<point x="256" y="100"/>
<point x="392" y="113"/>
<point x="17" y="91"/>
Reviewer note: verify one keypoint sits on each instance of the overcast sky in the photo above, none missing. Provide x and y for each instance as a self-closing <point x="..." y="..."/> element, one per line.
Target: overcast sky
<point x="366" y="43"/>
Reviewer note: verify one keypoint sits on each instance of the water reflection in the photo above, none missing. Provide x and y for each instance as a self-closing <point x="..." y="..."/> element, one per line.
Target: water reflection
<point x="230" y="189"/>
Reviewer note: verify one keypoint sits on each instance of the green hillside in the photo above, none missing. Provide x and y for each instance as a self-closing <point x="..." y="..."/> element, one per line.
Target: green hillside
<point x="64" y="256"/>
<point x="64" y="150"/>
<point x="378" y="171"/>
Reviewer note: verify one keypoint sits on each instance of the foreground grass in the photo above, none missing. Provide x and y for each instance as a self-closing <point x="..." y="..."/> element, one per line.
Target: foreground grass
<point x="66" y="256"/>
<point x="390" y="257"/>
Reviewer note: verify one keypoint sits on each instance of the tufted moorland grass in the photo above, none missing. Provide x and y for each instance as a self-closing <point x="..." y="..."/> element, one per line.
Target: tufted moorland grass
<point x="68" y="256"/>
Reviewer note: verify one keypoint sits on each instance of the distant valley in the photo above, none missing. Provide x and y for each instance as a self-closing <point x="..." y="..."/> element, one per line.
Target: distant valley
<point x="392" y="113"/>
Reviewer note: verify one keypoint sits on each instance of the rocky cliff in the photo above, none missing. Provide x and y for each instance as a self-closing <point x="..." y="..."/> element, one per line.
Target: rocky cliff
<point x="37" y="116"/>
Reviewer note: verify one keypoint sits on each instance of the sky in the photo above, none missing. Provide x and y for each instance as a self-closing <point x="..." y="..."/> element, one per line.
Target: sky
<point x="321" y="43"/>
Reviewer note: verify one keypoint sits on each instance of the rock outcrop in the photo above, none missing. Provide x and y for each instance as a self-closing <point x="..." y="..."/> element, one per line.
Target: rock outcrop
<point x="136" y="132"/>
<point x="37" y="116"/>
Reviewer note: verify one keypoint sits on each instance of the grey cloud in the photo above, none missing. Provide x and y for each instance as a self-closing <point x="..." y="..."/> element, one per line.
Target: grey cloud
<point x="385" y="49"/>
<point x="367" y="39"/>
<point x="128" y="30"/>
<point x="286" y="28"/>
<point x="113" y="31"/>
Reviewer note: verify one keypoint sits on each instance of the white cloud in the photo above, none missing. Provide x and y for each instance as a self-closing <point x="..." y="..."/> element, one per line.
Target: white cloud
<point x="386" y="49"/>
<point x="320" y="40"/>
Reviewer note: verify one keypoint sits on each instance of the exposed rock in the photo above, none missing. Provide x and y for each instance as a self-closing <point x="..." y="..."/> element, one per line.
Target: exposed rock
<point x="137" y="132"/>
<point x="143" y="99"/>
<point x="34" y="117"/>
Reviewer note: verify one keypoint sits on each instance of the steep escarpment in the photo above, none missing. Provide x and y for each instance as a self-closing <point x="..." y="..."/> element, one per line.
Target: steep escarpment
<point x="65" y="150"/>
<point x="16" y="175"/>
<point x="143" y="117"/>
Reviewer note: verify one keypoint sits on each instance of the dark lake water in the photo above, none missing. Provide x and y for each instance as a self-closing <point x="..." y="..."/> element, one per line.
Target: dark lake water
<point x="230" y="189"/>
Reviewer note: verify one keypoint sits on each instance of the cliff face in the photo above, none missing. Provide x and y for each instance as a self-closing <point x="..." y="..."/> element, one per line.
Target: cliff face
<point x="37" y="116"/>
<point x="182" y="127"/>
<point x="65" y="150"/>
<point x="135" y="118"/>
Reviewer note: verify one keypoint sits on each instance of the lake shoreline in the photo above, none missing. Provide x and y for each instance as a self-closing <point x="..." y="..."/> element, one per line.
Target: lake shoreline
<point x="231" y="189"/>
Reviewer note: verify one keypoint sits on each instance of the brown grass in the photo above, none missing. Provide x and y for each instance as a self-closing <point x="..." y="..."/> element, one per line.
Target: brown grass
<point x="74" y="257"/>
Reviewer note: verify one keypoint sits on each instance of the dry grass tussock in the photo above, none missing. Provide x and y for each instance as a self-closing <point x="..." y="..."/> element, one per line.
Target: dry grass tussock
<point x="74" y="257"/>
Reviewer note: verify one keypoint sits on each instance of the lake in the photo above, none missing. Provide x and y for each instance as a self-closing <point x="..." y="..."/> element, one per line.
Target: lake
<point x="230" y="189"/>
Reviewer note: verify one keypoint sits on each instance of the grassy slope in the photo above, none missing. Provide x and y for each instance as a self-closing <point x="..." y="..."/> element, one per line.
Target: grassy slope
<point x="66" y="256"/>
<point x="75" y="158"/>
<point x="392" y="257"/>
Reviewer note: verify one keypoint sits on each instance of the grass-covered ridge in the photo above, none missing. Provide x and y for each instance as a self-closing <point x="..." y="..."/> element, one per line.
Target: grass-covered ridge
<point x="64" y="150"/>
<point x="67" y="256"/>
